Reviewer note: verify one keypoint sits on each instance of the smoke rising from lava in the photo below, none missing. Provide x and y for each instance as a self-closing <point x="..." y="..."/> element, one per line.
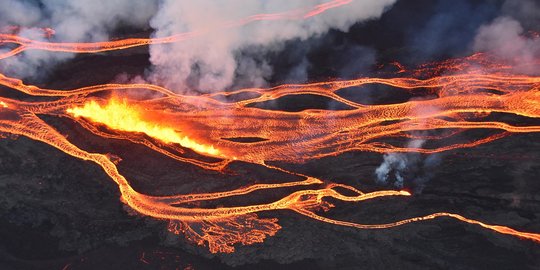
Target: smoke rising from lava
<point x="214" y="61"/>
<point x="504" y="37"/>
<point x="410" y="170"/>
<point x="206" y="124"/>
<point x="407" y="170"/>
<point x="72" y="21"/>
<point x="525" y="11"/>
<point x="207" y="63"/>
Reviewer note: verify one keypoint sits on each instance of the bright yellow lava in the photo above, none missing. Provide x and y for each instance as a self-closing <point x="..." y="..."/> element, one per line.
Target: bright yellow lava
<point x="3" y="104"/>
<point x="118" y="115"/>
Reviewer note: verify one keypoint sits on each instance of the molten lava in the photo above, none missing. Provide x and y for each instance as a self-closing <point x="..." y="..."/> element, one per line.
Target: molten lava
<point x="460" y="91"/>
<point x="25" y="43"/>
<point x="121" y="116"/>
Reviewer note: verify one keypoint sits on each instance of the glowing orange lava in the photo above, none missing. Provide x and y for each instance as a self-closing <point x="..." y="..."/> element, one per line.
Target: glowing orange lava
<point x="121" y="116"/>
<point x="25" y="43"/>
<point x="218" y="129"/>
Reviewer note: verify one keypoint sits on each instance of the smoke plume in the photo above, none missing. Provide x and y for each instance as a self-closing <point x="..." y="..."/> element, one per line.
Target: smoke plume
<point x="504" y="37"/>
<point x="216" y="60"/>
<point x="72" y="21"/>
<point x="527" y="12"/>
<point x="411" y="170"/>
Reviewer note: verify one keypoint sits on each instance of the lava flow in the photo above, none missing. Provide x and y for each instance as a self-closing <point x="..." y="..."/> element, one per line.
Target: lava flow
<point x="122" y="116"/>
<point x="25" y="43"/>
<point x="198" y="129"/>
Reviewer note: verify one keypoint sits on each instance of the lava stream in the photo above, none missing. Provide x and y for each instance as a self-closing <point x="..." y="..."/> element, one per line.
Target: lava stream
<point x="220" y="130"/>
<point x="95" y="47"/>
<point x="284" y="133"/>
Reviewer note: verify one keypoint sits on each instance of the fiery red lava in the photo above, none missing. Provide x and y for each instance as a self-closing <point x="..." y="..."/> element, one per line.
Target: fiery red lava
<point x="291" y="137"/>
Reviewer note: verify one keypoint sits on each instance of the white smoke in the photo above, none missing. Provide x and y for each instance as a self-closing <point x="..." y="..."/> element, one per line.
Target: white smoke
<point x="398" y="165"/>
<point x="23" y="13"/>
<point x="509" y="36"/>
<point x="394" y="163"/>
<point x="505" y="38"/>
<point x="410" y="169"/>
<point x="73" y="21"/>
<point x="525" y="11"/>
<point x="214" y="61"/>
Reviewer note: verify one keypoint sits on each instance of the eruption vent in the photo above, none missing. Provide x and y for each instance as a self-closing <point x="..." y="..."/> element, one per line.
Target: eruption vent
<point x="119" y="115"/>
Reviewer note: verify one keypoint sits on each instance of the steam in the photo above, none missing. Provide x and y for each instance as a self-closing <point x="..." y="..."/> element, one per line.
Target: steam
<point x="504" y="38"/>
<point x="13" y="12"/>
<point x="412" y="170"/>
<point x="527" y="12"/>
<point x="407" y="169"/>
<point x="444" y="29"/>
<point x="507" y="38"/>
<point x="76" y="21"/>
<point x="216" y="61"/>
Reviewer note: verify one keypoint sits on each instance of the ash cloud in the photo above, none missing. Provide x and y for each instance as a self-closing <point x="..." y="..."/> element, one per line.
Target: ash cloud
<point x="214" y="61"/>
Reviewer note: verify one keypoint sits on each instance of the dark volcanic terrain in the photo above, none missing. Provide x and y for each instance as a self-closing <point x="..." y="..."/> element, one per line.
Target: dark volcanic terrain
<point x="58" y="212"/>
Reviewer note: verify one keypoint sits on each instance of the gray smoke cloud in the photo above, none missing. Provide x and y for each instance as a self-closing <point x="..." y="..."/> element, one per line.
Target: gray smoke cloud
<point x="504" y="37"/>
<point x="76" y="21"/>
<point x="525" y="11"/>
<point x="214" y="61"/>
<point x="508" y="36"/>
<point x="412" y="170"/>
